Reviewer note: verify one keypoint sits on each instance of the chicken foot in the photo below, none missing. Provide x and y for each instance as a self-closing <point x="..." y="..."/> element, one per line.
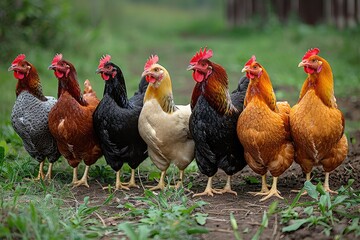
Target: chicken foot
<point x="227" y="187"/>
<point x="161" y="184"/>
<point x="307" y="179"/>
<point x="118" y="184"/>
<point x="326" y="184"/>
<point x="264" y="187"/>
<point x="273" y="191"/>
<point x="83" y="180"/>
<point x="41" y="172"/>
<point x="209" y="191"/>
<point x="48" y="175"/>
<point x="131" y="182"/>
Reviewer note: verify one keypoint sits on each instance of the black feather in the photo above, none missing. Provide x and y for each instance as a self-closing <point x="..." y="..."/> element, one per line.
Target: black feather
<point x="116" y="123"/>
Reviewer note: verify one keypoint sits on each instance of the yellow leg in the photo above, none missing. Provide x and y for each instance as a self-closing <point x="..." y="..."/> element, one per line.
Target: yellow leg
<point x="264" y="188"/>
<point x="308" y="178"/>
<point x="209" y="191"/>
<point x="161" y="184"/>
<point x="326" y="184"/>
<point x="75" y="176"/>
<point x="273" y="191"/>
<point x="180" y="182"/>
<point x="83" y="180"/>
<point x="41" y="172"/>
<point x="227" y="188"/>
<point x="48" y="175"/>
<point x="132" y="182"/>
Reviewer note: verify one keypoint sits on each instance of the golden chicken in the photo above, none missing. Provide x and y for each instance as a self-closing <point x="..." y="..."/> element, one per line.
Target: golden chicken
<point x="263" y="129"/>
<point x="317" y="125"/>
<point x="163" y="125"/>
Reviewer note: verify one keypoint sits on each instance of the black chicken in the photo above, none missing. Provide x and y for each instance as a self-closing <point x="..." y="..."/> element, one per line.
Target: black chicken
<point x="116" y="122"/>
<point x="213" y="121"/>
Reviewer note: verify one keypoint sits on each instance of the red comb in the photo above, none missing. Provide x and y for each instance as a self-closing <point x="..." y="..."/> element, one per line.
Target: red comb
<point x="57" y="58"/>
<point x="205" y="54"/>
<point x="311" y="52"/>
<point x="19" y="58"/>
<point x="103" y="60"/>
<point x="251" y="60"/>
<point x="152" y="60"/>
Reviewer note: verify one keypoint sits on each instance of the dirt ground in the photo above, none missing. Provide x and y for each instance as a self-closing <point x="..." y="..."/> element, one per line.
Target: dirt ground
<point x="246" y="208"/>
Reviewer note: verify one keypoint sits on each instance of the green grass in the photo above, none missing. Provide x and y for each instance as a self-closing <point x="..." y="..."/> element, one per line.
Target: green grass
<point x="130" y="32"/>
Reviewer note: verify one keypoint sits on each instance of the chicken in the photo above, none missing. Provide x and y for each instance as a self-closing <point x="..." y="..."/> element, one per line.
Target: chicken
<point x="29" y="116"/>
<point x="317" y="125"/>
<point x="213" y="121"/>
<point x="263" y="129"/>
<point x="116" y="122"/>
<point x="70" y="120"/>
<point x="163" y="125"/>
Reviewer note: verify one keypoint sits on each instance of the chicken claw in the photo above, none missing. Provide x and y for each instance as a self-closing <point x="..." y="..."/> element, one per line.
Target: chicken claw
<point x="131" y="182"/>
<point x="227" y="187"/>
<point x="209" y="191"/>
<point x="41" y="172"/>
<point x="264" y="187"/>
<point x="161" y="184"/>
<point x="48" y="175"/>
<point x="326" y="184"/>
<point x="273" y="191"/>
<point x="83" y="180"/>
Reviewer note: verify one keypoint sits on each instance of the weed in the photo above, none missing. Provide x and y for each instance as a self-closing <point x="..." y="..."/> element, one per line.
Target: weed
<point x="324" y="210"/>
<point x="168" y="215"/>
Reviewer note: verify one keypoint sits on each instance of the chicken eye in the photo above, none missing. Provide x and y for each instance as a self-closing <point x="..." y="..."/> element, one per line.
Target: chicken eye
<point x="156" y="69"/>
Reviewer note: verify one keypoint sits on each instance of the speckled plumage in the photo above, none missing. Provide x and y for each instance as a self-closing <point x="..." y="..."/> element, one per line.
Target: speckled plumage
<point x="29" y="119"/>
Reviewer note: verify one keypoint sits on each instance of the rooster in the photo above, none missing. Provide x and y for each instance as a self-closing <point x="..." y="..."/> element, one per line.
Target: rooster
<point x="163" y="125"/>
<point x="116" y="122"/>
<point x="317" y="125"/>
<point x="263" y="129"/>
<point x="29" y="116"/>
<point x="70" y="120"/>
<point x="213" y="121"/>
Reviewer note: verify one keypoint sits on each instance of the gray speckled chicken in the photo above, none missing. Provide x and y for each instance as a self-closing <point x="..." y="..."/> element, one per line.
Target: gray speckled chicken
<point x="29" y="115"/>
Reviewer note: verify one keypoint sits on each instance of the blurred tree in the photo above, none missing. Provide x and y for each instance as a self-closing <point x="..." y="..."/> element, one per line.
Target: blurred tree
<point x="31" y="22"/>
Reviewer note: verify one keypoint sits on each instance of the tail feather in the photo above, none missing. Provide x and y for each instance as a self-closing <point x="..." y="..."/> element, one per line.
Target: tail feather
<point x="238" y="95"/>
<point x="89" y="93"/>
<point x="138" y="97"/>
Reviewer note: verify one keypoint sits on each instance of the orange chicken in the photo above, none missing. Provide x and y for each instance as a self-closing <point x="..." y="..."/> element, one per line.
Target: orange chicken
<point x="163" y="125"/>
<point x="263" y="129"/>
<point x="317" y="125"/>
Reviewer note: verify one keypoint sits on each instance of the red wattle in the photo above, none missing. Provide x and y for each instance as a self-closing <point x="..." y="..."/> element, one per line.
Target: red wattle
<point x="198" y="77"/>
<point x="18" y="75"/>
<point x="150" y="79"/>
<point x="309" y="70"/>
<point x="58" y="74"/>
<point x="105" y="77"/>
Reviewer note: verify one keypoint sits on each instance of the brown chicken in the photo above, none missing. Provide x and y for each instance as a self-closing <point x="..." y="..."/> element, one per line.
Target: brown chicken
<point x="70" y="120"/>
<point x="317" y="125"/>
<point x="263" y="129"/>
<point x="163" y="125"/>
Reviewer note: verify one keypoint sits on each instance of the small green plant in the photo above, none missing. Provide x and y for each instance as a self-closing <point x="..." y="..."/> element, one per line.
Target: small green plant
<point x="324" y="210"/>
<point x="265" y="220"/>
<point x="167" y="215"/>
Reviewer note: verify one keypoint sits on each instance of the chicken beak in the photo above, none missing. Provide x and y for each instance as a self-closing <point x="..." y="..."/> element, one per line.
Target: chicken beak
<point x="12" y="67"/>
<point x="51" y="67"/>
<point x="98" y="70"/>
<point x="190" y="67"/>
<point x="302" y="63"/>
<point x="245" y="69"/>
<point x="146" y="72"/>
